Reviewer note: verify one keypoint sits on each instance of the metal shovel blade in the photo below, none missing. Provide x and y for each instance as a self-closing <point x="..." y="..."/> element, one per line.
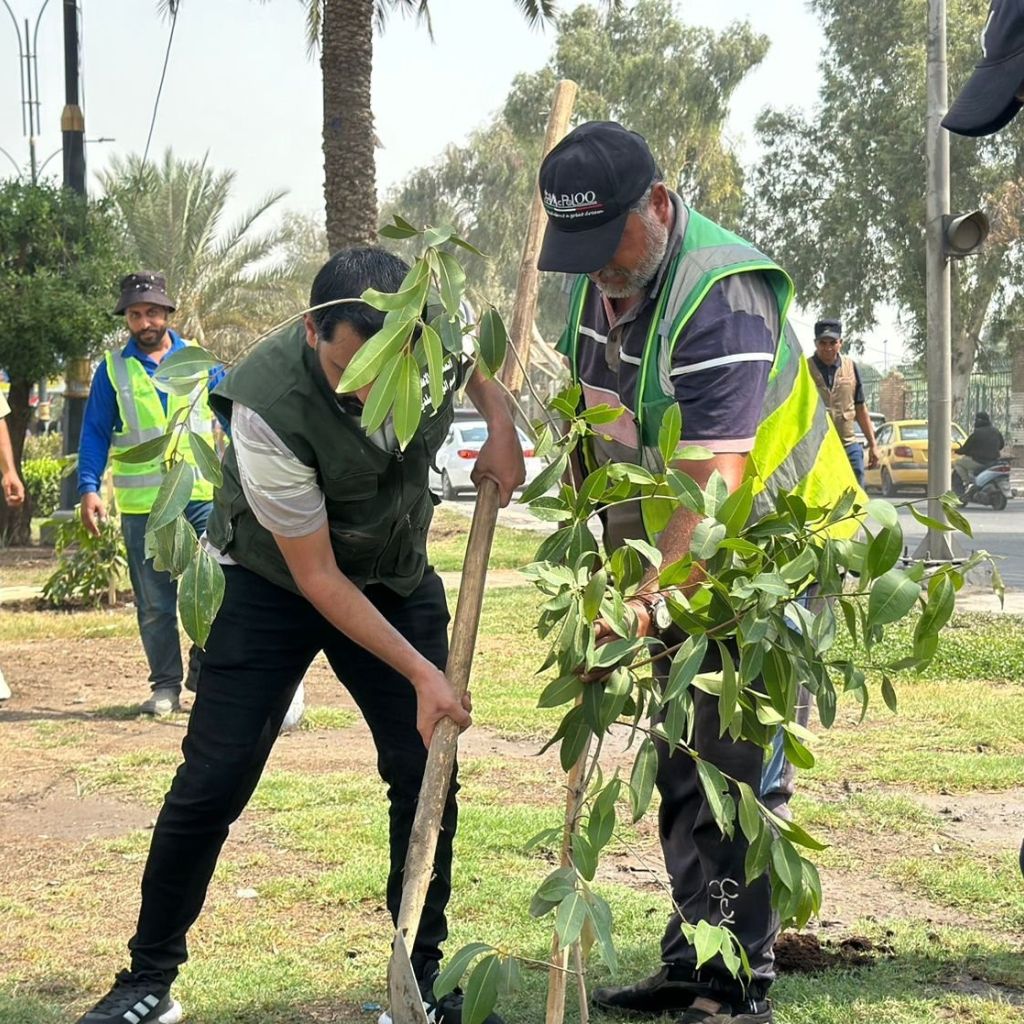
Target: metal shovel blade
<point x="403" y="989"/>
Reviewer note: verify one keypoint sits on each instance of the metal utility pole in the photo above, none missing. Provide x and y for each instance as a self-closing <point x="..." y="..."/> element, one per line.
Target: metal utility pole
<point x="72" y="120"/>
<point x="72" y="123"/>
<point x="938" y="357"/>
<point x="28" y="63"/>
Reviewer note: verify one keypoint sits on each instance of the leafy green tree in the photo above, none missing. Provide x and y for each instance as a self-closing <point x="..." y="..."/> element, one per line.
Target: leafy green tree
<point x="642" y="66"/>
<point x="59" y="263"/>
<point x="224" y="280"/>
<point x="839" y="197"/>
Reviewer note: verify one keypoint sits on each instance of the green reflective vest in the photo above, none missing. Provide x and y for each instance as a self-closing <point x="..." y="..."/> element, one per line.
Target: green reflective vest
<point x="142" y="418"/>
<point x="378" y="503"/>
<point x="796" y="447"/>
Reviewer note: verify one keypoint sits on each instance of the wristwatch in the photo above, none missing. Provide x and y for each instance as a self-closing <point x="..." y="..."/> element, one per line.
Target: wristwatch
<point x="657" y="610"/>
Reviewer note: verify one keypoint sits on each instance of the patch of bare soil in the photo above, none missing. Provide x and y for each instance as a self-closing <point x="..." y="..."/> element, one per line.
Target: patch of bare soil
<point x="64" y="814"/>
<point x="805" y="953"/>
<point x="979" y="819"/>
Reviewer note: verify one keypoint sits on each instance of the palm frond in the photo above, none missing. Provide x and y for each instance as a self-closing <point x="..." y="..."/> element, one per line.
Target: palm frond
<point x="418" y="9"/>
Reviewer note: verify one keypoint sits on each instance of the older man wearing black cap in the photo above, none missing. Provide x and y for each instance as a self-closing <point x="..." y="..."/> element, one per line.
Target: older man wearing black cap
<point x="670" y="308"/>
<point x="838" y="380"/>
<point x="124" y="409"/>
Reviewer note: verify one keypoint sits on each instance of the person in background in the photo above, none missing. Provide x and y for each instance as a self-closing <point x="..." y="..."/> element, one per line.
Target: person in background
<point x="124" y="409"/>
<point x="983" y="447"/>
<point x="842" y="391"/>
<point x="13" y="489"/>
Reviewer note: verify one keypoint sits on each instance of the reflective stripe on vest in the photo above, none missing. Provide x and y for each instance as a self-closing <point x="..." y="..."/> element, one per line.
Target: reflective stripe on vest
<point x="143" y="418"/>
<point x="796" y="447"/>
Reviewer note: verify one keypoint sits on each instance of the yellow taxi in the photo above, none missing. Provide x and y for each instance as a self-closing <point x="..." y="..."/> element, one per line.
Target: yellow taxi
<point x="903" y="455"/>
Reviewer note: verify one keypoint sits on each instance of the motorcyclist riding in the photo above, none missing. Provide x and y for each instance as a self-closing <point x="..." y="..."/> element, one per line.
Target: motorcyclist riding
<point x="981" y="449"/>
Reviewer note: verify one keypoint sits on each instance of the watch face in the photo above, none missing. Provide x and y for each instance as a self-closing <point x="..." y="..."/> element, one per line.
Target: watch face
<point x="661" y="615"/>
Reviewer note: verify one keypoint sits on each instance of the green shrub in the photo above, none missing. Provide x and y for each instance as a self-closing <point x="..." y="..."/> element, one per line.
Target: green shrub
<point x="43" y="446"/>
<point x="43" y="478"/>
<point x="89" y="568"/>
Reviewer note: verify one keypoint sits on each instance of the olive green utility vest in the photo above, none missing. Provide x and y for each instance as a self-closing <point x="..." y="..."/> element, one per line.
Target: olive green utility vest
<point x="143" y="417"/>
<point x="796" y="447"/>
<point x="840" y="399"/>
<point x="378" y="503"/>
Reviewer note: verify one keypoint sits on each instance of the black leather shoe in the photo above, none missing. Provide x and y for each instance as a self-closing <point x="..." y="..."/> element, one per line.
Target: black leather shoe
<point x="673" y="988"/>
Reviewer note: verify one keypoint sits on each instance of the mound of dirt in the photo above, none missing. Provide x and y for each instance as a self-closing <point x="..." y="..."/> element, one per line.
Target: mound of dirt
<point x="803" y="953"/>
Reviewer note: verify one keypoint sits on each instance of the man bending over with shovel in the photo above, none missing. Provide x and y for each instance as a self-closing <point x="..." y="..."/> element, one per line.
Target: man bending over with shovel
<point x="321" y="530"/>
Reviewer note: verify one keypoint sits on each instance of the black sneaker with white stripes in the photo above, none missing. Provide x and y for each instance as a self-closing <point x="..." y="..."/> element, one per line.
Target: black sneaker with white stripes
<point x="135" y="1002"/>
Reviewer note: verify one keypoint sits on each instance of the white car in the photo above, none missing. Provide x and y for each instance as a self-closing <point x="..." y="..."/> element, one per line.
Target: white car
<point x="457" y="456"/>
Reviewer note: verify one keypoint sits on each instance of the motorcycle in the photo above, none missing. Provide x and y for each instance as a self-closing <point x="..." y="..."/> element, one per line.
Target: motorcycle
<point x="990" y="486"/>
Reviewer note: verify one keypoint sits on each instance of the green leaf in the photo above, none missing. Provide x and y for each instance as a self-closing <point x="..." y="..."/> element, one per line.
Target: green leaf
<point x="892" y="596"/>
<point x="882" y="512"/>
<point x="206" y="459"/>
<point x="958" y="520"/>
<point x="758" y="855"/>
<point x="707" y="941"/>
<point x="145" y="452"/>
<point x="735" y="510"/>
<point x="408" y="401"/>
<point x="729" y="698"/>
<point x="545" y="479"/>
<point x="200" y="592"/>
<point x="685" y="490"/>
<point x="451" y="280"/>
<point x="593" y="594"/>
<point x="884" y="550"/>
<point x="786" y="862"/>
<point x="577" y="736"/>
<point x="560" y="691"/>
<point x="571" y="914"/>
<point x="583" y="855"/>
<point x="641" y="779"/>
<point x="509" y="978"/>
<point x="669" y="432"/>
<point x="889" y="694"/>
<point x="366" y="365"/>
<point x="172" y="546"/>
<point x="449" y="330"/>
<point x="411" y="296"/>
<point x="433" y="237"/>
<point x="492" y="342"/>
<point x="481" y="994"/>
<point x="716" y="792"/>
<point x="383" y="394"/>
<point x="796" y="753"/>
<point x="940" y="606"/>
<point x="750" y="816"/>
<point x="191" y="363"/>
<point x="173" y="496"/>
<point x="797" y="570"/>
<point x="454" y="967"/>
<point x="434" y="352"/>
<point x="393" y="231"/>
<point x="928" y="521"/>
<point x="645" y="550"/>
<point x="686" y="664"/>
<point x="601" y="918"/>
<point x="708" y="534"/>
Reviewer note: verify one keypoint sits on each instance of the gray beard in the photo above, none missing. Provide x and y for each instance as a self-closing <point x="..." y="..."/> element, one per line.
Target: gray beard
<point x="656" y="238"/>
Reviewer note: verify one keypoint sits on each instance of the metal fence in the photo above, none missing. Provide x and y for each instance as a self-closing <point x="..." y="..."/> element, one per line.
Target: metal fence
<point x="988" y="392"/>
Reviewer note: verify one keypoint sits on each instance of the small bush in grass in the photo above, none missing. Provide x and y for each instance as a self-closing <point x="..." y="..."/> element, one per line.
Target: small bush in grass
<point x="42" y="481"/>
<point x="89" y="568"/>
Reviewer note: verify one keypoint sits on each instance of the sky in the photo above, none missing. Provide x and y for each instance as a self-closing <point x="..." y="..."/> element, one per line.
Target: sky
<point x="241" y="88"/>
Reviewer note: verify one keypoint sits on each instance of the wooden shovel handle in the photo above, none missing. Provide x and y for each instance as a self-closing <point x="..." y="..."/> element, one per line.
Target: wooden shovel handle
<point x="419" y="859"/>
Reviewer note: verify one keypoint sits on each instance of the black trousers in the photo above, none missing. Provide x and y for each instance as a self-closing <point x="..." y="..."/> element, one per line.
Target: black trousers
<point x="261" y="644"/>
<point x="706" y="869"/>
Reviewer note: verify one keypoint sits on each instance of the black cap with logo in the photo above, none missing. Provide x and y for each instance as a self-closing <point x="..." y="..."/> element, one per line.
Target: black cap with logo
<point x="989" y="101"/>
<point x="828" y="329"/>
<point x="145" y="286"/>
<point x="588" y="182"/>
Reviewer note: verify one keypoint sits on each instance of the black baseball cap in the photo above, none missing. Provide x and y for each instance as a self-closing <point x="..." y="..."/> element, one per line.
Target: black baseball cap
<point x="828" y="329"/>
<point x="144" y="286"/>
<point x="588" y="182"/>
<point x="989" y="101"/>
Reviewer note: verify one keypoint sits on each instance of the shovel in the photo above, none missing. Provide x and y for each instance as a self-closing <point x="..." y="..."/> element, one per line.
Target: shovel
<point x="403" y="989"/>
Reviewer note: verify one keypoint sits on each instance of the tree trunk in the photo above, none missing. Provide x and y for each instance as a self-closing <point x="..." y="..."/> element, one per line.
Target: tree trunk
<point x="350" y="180"/>
<point x="15" y="523"/>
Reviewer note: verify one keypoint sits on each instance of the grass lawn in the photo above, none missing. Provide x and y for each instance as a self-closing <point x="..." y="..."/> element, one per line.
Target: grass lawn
<point x="917" y="808"/>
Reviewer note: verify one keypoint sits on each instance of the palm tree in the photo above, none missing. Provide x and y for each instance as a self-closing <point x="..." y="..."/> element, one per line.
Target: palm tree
<point x="224" y="280"/>
<point x="343" y="30"/>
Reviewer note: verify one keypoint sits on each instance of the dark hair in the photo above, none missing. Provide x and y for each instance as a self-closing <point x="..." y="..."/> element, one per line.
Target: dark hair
<point x="346" y="275"/>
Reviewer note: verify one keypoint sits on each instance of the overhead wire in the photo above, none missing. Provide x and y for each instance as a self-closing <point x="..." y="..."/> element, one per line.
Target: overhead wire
<point x="174" y="6"/>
